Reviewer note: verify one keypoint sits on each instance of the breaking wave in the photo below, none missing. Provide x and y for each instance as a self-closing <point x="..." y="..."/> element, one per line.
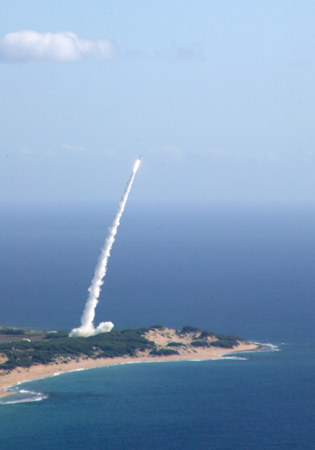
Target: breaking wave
<point x="267" y="347"/>
<point x="235" y="358"/>
<point x="16" y="395"/>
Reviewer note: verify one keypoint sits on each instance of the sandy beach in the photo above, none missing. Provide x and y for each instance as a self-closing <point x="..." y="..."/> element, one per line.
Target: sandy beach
<point x="187" y="353"/>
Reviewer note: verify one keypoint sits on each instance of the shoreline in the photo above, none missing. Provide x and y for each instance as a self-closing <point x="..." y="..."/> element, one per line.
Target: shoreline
<point x="37" y="372"/>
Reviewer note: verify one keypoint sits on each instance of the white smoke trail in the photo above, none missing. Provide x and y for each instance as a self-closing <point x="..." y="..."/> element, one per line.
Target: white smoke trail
<point x="87" y="327"/>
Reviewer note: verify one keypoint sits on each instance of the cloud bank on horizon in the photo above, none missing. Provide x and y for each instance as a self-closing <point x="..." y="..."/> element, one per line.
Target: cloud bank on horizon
<point x="63" y="46"/>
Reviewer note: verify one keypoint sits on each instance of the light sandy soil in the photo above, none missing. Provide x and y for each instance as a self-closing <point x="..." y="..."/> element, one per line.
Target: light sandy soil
<point x="161" y="339"/>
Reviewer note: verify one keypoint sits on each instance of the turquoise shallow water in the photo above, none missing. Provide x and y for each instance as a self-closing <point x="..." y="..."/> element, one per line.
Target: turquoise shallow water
<point x="245" y="271"/>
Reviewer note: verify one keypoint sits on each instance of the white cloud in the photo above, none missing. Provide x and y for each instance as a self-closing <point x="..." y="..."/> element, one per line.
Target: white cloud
<point x="29" y="45"/>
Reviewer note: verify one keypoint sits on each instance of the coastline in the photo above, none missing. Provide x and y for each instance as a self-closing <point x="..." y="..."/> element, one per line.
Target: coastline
<point x="21" y="375"/>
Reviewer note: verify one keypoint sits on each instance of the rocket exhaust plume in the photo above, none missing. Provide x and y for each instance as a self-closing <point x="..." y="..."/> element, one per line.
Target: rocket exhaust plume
<point x="87" y="326"/>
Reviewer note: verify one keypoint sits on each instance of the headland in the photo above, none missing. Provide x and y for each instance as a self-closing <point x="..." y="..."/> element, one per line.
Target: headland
<point x="29" y="355"/>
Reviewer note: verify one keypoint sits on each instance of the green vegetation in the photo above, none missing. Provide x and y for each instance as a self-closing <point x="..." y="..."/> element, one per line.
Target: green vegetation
<point x="226" y="342"/>
<point x="206" y="334"/>
<point x="57" y="346"/>
<point x="188" y="329"/>
<point x="157" y="327"/>
<point x="12" y="331"/>
<point x="200" y="343"/>
<point x="175" y="344"/>
<point x="201" y="338"/>
<point x="56" y="335"/>
<point x="164" y="352"/>
<point x="105" y="345"/>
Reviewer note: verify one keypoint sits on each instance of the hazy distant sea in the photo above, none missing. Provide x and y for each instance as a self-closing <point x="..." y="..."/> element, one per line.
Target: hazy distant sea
<point x="236" y="269"/>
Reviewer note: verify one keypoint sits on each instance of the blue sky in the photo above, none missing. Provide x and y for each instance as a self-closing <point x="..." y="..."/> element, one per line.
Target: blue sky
<point x="217" y="96"/>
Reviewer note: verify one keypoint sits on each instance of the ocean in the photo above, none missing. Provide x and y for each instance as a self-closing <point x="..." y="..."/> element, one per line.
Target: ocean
<point x="243" y="269"/>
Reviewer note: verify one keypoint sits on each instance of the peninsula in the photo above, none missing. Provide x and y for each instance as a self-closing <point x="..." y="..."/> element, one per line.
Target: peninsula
<point x="27" y="355"/>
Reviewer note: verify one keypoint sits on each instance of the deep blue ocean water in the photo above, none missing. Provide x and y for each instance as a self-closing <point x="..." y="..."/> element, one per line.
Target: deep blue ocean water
<point x="236" y="269"/>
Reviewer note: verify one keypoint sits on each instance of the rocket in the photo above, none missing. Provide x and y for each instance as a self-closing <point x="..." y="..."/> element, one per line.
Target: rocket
<point x="136" y="165"/>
